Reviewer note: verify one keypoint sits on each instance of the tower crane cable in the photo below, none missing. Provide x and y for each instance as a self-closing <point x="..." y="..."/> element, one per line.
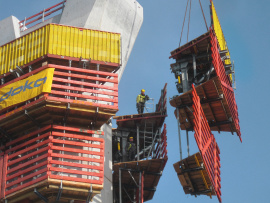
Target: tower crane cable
<point x="189" y="1"/>
<point x="203" y="15"/>
<point x="183" y="23"/>
<point x="189" y="19"/>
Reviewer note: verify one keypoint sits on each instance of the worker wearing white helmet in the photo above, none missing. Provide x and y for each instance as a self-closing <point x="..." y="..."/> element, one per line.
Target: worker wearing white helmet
<point x="140" y="101"/>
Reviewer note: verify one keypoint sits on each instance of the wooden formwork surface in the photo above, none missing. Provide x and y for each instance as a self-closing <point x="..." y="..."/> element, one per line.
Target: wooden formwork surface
<point x="49" y="188"/>
<point x="215" y="111"/>
<point x="195" y="181"/>
<point x="197" y="45"/>
<point x="150" y="181"/>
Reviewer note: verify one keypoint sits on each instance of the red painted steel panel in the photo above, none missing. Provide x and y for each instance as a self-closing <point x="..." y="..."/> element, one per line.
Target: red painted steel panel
<point x="4" y="174"/>
<point x="162" y="104"/>
<point x="105" y="92"/>
<point x="100" y="182"/>
<point x="23" y="172"/>
<point x="1" y="173"/>
<point x="161" y="148"/>
<point x="81" y="130"/>
<point x="225" y="81"/>
<point x="27" y="184"/>
<point x="64" y="156"/>
<point x="207" y="144"/>
<point x="76" y="165"/>
<point x="75" y="150"/>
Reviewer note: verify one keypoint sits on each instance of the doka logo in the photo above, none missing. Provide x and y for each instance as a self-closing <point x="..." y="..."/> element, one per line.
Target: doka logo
<point x="27" y="86"/>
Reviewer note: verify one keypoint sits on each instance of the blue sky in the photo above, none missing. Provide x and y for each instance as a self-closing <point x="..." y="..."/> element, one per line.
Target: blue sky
<point x="245" y="23"/>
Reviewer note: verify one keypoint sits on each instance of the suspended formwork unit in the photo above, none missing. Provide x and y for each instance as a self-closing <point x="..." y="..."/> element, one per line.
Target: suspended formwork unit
<point x="137" y="179"/>
<point x="205" y="77"/>
<point x="58" y="87"/>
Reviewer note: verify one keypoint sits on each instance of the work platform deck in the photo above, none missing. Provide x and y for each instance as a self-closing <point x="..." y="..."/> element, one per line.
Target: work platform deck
<point x="214" y="104"/>
<point x="45" y="111"/>
<point x="152" y="170"/>
<point x="131" y="121"/>
<point x="50" y="188"/>
<point x="193" y="176"/>
<point x="198" y="45"/>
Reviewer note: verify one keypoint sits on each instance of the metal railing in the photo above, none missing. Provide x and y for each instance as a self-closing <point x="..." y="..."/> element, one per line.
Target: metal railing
<point x="34" y="20"/>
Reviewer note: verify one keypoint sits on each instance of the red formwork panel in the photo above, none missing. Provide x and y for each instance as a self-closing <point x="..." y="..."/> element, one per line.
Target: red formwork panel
<point x="76" y="86"/>
<point x="161" y="148"/>
<point x="225" y="81"/>
<point x="162" y="103"/>
<point x="1" y="168"/>
<point x="53" y="152"/>
<point x="207" y="144"/>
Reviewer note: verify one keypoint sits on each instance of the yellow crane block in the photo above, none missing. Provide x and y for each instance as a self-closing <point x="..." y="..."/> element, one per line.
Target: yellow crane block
<point x="63" y="41"/>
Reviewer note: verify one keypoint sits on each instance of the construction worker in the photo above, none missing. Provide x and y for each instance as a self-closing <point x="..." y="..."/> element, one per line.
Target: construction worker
<point x="131" y="149"/>
<point x="140" y="101"/>
<point x="118" y="156"/>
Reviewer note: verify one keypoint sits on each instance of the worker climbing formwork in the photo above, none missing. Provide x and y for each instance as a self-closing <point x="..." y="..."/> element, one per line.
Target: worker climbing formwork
<point x="206" y="103"/>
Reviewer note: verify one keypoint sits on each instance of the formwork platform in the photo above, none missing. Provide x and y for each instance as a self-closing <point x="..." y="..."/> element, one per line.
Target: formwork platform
<point x="151" y="170"/>
<point x="215" y="90"/>
<point x="78" y="97"/>
<point x="55" y="40"/>
<point x="53" y="161"/>
<point x="196" y="46"/>
<point x="214" y="104"/>
<point x="131" y="121"/>
<point x="193" y="176"/>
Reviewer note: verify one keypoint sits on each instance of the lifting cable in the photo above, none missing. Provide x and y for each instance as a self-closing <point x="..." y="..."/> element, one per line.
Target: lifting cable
<point x="183" y="23"/>
<point x="203" y="15"/>
<point x="189" y="19"/>
<point x="189" y="2"/>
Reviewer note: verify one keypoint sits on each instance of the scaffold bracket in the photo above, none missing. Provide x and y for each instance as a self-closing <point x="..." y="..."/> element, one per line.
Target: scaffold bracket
<point x="40" y="195"/>
<point x="183" y="171"/>
<point x="31" y="118"/>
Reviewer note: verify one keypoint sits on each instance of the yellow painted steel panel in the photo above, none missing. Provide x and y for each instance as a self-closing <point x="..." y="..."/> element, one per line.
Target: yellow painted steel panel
<point x="220" y="36"/>
<point x="63" y="41"/>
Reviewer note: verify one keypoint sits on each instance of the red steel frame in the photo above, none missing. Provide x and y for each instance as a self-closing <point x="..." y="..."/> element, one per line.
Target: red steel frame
<point x="41" y="13"/>
<point x="162" y="104"/>
<point x="68" y="87"/>
<point x="225" y="81"/>
<point x="1" y="169"/>
<point x="161" y="148"/>
<point x="207" y="144"/>
<point x="44" y="153"/>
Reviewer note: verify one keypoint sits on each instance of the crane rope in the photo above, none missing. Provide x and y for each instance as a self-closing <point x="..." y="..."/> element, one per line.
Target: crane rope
<point x="203" y="15"/>
<point x="189" y="19"/>
<point x="189" y="4"/>
<point x="183" y="23"/>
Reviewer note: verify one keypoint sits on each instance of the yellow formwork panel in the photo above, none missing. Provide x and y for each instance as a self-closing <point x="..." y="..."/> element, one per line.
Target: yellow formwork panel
<point x="219" y="33"/>
<point x="61" y="40"/>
